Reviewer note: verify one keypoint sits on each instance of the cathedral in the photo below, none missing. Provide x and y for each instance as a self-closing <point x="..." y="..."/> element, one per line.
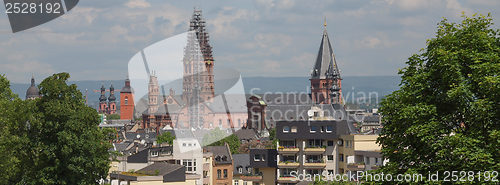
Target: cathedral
<point x="197" y="107"/>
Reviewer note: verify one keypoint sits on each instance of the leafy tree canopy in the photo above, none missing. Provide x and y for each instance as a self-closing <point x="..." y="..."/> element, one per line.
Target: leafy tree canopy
<point x="446" y="114"/>
<point x="166" y="137"/>
<point x="54" y="139"/>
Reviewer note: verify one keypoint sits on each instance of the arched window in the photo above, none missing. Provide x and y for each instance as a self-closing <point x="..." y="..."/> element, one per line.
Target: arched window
<point x="126" y="100"/>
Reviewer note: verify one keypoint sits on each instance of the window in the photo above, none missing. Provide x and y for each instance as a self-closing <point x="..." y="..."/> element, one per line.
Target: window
<point x="286" y="129"/>
<point x="126" y="100"/>
<point x="220" y="123"/>
<point x="256" y="157"/>
<point x="330" y="172"/>
<point x="330" y="143"/>
<point x="219" y="175"/>
<point x="154" y="153"/>
<point x="376" y="160"/>
<point x="245" y="183"/>
<point x="263" y="157"/>
<point x="190" y="165"/>
<point x="315" y="143"/>
<point x="240" y="169"/>
<point x="249" y="169"/>
<point x="329" y="128"/>
<point x="322" y="129"/>
<point x="239" y="122"/>
<point x="225" y="173"/>
<point x="183" y="144"/>
<point x="314" y="129"/>
<point x="341" y="157"/>
<point x="367" y="161"/>
<point x="235" y="182"/>
<point x="330" y="157"/>
<point x="294" y="129"/>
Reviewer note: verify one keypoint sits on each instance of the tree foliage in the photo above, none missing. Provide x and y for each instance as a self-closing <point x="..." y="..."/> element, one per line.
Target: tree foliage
<point x="54" y="139"/>
<point x="166" y="137"/>
<point x="446" y="114"/>
<point x="112" y="116"/>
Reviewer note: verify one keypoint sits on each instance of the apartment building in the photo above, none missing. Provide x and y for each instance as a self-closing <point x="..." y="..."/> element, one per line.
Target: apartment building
<point x="263" y="166"/>
<point x="309" y="147"/>
<point x="358" y="152"/>
<point x="222" y="165"/>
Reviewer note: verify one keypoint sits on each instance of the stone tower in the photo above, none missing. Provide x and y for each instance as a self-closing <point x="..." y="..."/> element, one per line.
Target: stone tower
<point x="325" y="76"/>
<point x="198" y="70"/>
<point x="153" y="93"/>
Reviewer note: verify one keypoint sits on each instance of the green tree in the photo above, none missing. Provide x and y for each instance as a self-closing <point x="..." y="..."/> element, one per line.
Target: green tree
<point x="112" y="116"/>
<point x="54" y="139"/>
<point x="166" y="137"/>
<point x="233" y="142"/>
<point x="10" y="151"/>
<point x="446" y="114"/>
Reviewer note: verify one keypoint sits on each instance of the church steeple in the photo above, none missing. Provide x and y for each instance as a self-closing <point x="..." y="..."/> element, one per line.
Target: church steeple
<point x="325" y="75"/>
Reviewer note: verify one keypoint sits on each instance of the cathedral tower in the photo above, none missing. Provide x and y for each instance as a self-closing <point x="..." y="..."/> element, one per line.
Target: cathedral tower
<point x="153" y="93"/>
<point x="325" y="76"/>
<point x="198" y="70"/>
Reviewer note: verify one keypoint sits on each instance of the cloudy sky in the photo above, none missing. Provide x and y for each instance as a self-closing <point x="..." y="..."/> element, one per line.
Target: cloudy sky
<point x="97" y="38"/>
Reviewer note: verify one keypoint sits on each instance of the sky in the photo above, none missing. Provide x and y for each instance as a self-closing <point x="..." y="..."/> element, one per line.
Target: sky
<point x="272" y="38"/>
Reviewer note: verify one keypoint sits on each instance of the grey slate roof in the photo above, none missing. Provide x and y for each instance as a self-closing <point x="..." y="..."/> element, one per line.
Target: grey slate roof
<point x="325" y="65"/>
<point x="371" y="118"/>
<point x="220" y="153"/>
<point x="246" y="134"/>
<point x="241" y="161"/>
<point x="163" y="168"/>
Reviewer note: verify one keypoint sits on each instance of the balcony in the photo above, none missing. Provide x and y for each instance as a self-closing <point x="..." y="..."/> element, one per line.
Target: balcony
<point x="252" y="177"/>
<point x="314" y="164"/>
<point x="314" y="149"/>
<point x="356" y="166"/>
<point x="288" y="164"/>
<point x="287" y="179"/>
<point x="288" y="150"/>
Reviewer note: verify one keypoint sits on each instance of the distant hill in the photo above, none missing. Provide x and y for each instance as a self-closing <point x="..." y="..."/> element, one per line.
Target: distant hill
<point x="351" y="86"/>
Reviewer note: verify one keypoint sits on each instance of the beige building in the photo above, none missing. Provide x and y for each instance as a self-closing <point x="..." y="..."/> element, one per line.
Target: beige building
<point x="359" y="152"/>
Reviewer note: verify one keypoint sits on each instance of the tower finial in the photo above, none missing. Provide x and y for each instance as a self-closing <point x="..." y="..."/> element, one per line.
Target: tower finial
<point x="324" y="24"/>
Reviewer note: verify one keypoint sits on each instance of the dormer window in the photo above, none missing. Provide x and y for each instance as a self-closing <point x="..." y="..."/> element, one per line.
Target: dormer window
<point x="257" y="157"/>
<point x="217" y="158"/>
<point x="329" y="128"/>
<point x="224" y="158"/>
<point x="286" y="129"/>
<point x="314" y="129"/>
<point x="240" y="169"/>
<point x="154" y="153"/>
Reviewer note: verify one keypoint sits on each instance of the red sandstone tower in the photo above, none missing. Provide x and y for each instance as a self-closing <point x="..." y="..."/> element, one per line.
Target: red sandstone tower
<point x="126" y="102"/>
<point x="325" y="77"/>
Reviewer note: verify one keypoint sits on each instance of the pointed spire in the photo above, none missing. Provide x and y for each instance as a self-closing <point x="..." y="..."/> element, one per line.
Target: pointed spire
<point x="326" y="65"/>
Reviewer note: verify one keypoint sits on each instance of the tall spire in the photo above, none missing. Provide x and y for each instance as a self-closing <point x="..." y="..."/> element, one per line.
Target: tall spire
<point x="325" y="75"/>
<point x="197" y="24"/>
<point x="326" y="65"/>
